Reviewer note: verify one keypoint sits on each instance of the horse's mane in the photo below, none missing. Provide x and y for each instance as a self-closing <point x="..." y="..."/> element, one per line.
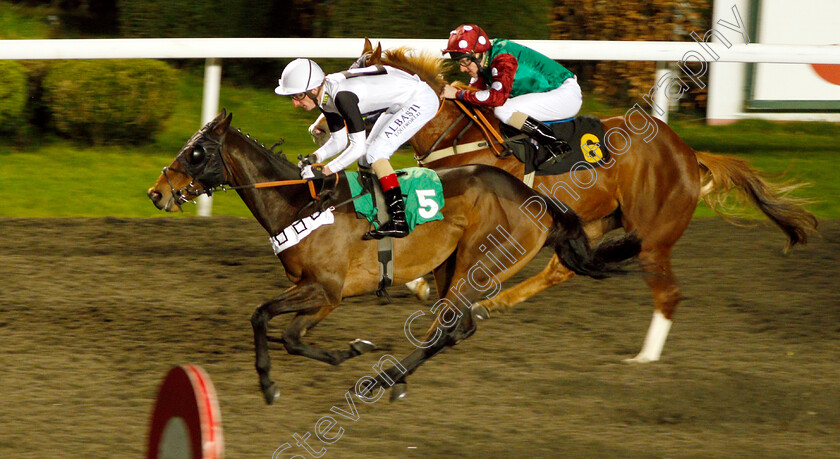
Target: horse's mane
<point x="424" y="64"/>
<point x="278" y="160"/>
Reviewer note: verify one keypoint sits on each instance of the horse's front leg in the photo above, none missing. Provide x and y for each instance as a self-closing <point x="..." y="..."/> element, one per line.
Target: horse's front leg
<point x="301" y="297"/>
<point x="306" y="320"/>
<point x="312" y="304"/>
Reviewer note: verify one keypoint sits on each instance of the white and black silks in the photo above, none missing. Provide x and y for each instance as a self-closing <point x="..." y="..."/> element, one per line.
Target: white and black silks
<point x="348" y="97"/>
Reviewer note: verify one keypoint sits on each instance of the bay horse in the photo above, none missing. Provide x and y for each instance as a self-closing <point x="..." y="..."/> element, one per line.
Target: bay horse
<point x="651" y="185"/>
<point x="484" y="207"/>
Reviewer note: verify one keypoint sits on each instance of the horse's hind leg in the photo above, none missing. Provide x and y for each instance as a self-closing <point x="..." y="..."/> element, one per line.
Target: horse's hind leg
<point x="554" y="273"/>
<point x="437" y="340"/>
<point x="456" y="316"/>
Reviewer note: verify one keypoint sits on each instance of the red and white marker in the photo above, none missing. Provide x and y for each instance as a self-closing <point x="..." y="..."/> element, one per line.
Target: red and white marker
<point x="186" y="422"/>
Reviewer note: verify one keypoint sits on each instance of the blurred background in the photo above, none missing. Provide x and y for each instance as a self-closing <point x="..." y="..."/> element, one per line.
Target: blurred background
<point x="98" y="299"/>
<point x="116" y="123"/>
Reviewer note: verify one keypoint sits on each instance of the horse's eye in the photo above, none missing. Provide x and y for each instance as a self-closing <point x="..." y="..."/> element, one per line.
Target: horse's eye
<point x="197" y="155"/>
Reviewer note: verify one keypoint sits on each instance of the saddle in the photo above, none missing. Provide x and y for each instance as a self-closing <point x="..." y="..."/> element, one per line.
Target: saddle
<point x="423" y="196"/>
<point x="422" y="193"/>
<point x="583" y="134"/>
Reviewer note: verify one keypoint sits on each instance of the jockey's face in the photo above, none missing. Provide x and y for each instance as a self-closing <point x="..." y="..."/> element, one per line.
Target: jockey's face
<point x="467" y="65"/>
<point x="303" y="101"/>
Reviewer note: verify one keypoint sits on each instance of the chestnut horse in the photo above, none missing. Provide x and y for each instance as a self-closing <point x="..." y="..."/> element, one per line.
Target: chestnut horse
<point x="484" y="207"/>
<point x="651" y="185"/>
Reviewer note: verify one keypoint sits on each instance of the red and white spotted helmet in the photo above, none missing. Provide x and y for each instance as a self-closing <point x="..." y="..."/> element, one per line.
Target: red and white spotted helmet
<point x="467" y="38"/>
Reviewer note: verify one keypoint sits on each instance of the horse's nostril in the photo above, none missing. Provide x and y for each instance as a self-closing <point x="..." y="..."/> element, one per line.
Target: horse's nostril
<point x="155" y="195"/>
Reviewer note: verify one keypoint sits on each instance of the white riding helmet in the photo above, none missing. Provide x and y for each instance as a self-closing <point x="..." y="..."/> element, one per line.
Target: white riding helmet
<point x="299" y="76"/>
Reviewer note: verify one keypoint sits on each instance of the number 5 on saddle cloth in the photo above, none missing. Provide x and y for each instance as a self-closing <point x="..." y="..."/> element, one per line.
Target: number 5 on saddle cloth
<point x="423" y="195"/>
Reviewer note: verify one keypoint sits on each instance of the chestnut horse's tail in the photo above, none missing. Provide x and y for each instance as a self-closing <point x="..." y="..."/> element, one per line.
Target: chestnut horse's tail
<point x="571" y="245"/>
<point x="720" y="174"/>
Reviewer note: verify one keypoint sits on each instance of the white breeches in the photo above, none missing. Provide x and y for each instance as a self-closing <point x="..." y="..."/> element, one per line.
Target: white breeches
<point x="395" y="127"/>
<point x="557" y="104"/>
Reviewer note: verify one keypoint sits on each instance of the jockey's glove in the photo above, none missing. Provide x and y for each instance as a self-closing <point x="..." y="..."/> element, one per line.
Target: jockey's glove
<point x="312" y="172"/>
<point x="307" y="160"/>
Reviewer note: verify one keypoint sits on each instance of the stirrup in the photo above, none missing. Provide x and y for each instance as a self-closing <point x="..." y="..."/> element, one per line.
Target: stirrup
<point x="565" y="150"/>
<point x="389" y="229"/>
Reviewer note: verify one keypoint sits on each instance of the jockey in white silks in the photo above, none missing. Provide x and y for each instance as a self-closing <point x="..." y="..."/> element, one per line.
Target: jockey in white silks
<point x="406" y="104"/>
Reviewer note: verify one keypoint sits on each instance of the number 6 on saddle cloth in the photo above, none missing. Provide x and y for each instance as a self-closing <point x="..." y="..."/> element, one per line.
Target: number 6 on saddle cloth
<point x="584" y="135"/>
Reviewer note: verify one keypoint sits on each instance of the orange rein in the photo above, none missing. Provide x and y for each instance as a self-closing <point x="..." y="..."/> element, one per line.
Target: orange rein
<point x="312" y="191"/>
<point x="490" y="133"/>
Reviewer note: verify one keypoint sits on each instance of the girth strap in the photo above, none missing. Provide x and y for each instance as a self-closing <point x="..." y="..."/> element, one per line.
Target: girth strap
<point x="385" y="246"/>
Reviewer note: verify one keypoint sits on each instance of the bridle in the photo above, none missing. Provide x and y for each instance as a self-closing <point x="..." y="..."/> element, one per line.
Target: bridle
<point x="201" y="175"/>
<point x="212" y="174"/>
<point x="180" y="195"/>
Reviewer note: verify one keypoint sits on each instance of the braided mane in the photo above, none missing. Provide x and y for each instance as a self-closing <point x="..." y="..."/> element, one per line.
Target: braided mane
<point x="424" y="64"/>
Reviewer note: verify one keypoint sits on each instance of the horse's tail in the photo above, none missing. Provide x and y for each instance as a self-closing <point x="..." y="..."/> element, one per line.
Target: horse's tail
<point x="609" y="257"/>
<point x="720" y="174"/>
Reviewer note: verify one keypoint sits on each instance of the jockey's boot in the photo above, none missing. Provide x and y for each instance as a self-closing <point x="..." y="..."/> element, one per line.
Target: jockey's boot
<point x="397" y="226"/>
<point x="558" y="148"/>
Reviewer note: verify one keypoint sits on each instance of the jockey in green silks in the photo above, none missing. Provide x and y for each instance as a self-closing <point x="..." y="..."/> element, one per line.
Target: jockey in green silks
<point x="524" y="87"/>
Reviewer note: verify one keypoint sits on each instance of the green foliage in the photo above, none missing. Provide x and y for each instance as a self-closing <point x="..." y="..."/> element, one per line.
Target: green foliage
<point x="200" y="18"/>
<point x="169" y="18"/>
<point x="109" y="101"/>
<point x="20" y="22"/>
<point x="642" y="20"/>
<point x="13" y="96"/>
<point x="324" y="18"/>
<point x="409" y="19"/>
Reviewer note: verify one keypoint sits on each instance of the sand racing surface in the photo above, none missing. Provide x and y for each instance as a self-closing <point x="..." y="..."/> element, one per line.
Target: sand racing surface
<point x="94" y="312"/>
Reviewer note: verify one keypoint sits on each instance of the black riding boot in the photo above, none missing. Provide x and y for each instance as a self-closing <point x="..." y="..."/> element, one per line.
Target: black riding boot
<point x="397" y="226"/>
<point x="543" y="135"/>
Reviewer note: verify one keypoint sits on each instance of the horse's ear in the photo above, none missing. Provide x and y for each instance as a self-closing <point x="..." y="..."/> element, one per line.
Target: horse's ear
<point x="220" y="128"/>
<point x="376" y="55"/>
<point x="220" y="116"/>
<point x="368" y="46"/>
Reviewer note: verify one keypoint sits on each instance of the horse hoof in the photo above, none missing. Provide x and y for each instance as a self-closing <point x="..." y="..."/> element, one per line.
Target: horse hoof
<point x="271" y="393"/>
<point x="479" y="312"/>
<point x="638" y="359"/>
<point x="420" y="288"/>
<point x="361" y="346"/>
<point x="398" y="392"/>
<point x="366" y="390"/>
<point x="423" y="292"/>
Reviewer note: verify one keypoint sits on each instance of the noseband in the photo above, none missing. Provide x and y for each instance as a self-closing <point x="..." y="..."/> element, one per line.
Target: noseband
<point x="181" y="194"/>
<point x="209" y="173"/>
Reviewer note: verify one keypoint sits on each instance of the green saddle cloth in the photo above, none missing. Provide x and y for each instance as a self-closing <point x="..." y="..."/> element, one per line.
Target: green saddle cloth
<point x="422" y="193"/>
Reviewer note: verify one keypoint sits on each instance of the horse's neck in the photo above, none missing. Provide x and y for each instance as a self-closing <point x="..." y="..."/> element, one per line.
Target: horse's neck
<point x="434" y="129"/>
<point x="276" y="207"/>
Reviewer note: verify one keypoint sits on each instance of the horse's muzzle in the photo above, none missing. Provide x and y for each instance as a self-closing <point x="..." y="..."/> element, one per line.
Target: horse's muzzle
<point x="157" y="199"/>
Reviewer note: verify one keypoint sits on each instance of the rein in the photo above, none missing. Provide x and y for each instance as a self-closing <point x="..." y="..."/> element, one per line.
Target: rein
<point x="190" y="189"/>
<point x="485" y="126"/>
<point x="209" y="191"/>
<point x="277" y="183"/>
<point x="493" y="139"/>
